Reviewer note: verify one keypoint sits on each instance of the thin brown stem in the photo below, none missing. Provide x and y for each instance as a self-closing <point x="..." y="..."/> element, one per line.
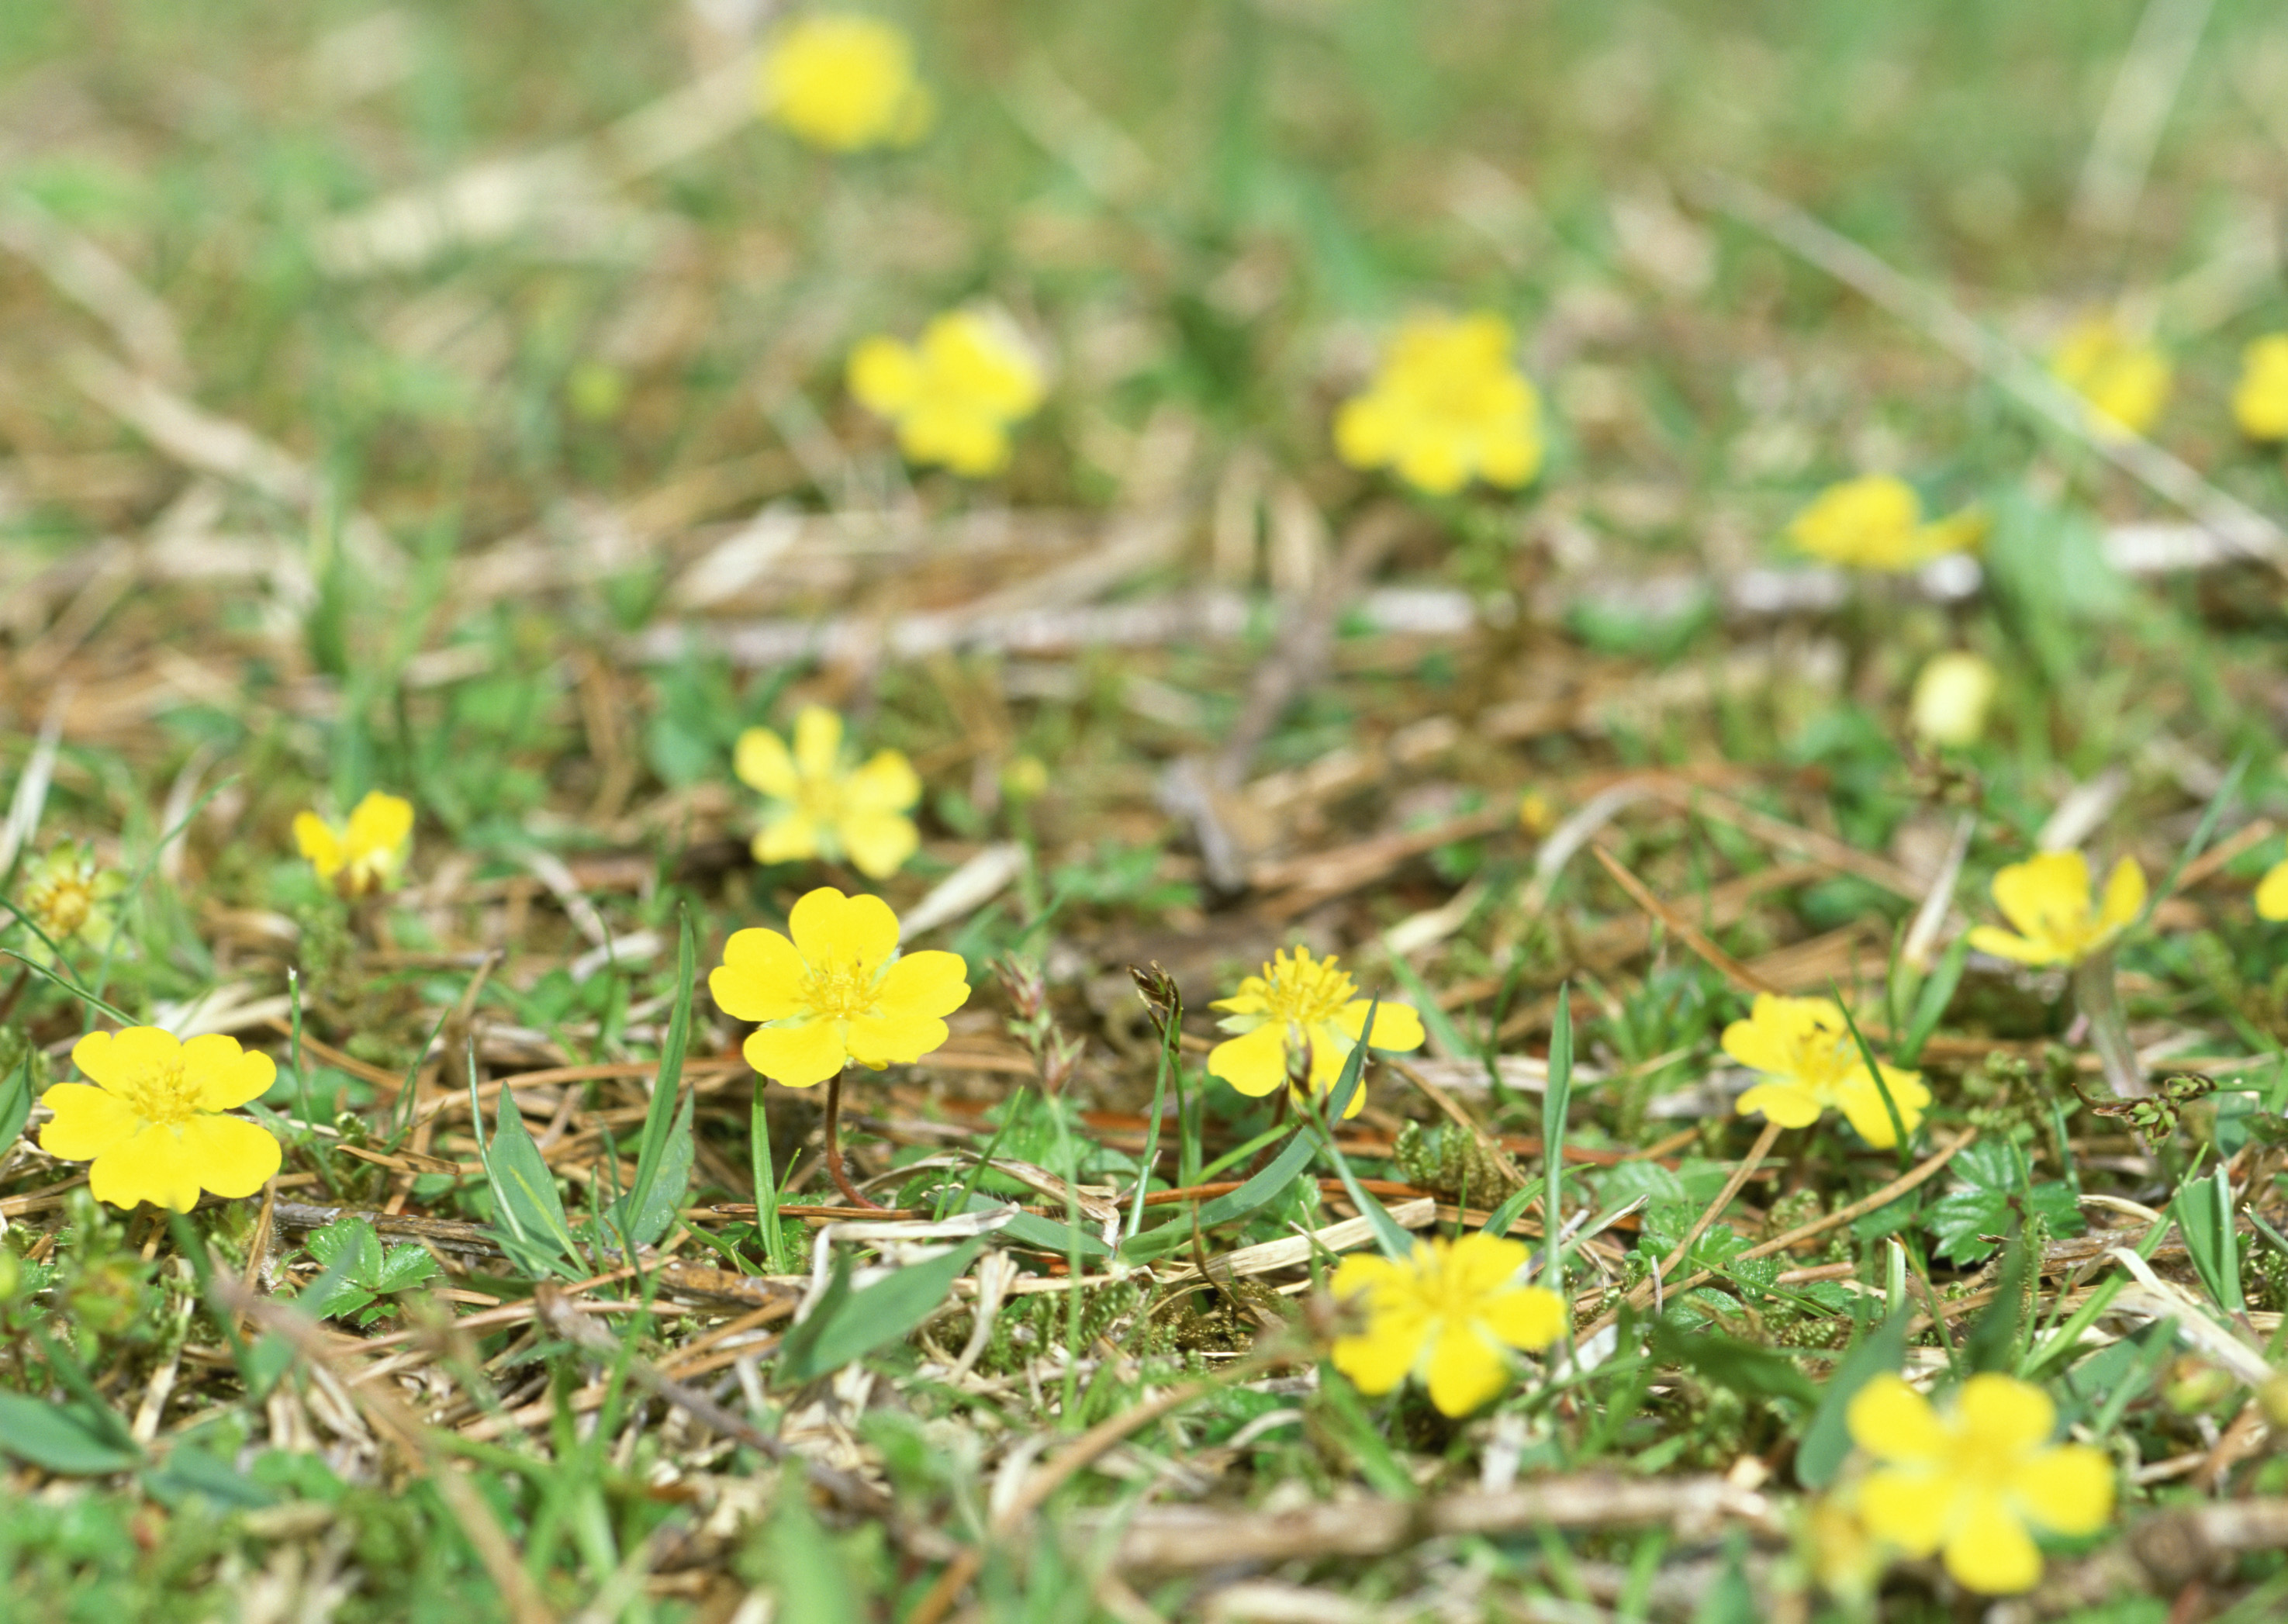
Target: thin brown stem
<point x="834" y="1147"/>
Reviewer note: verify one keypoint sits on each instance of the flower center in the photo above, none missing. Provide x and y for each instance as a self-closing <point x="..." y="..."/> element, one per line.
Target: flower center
<point x="64" y="907"/>
<point x="1304" y="990"/>
<point x="820" y="797"/>
<point x="162" y="1094"/>
<point x="1824" y="1061"/>
<point x="837" y="992"/>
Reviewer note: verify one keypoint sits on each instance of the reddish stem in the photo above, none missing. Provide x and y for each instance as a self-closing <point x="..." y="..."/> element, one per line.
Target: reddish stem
<point x="834" y="1147"/>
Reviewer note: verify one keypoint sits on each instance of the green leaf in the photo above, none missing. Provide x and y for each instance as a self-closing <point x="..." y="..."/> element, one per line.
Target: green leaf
<point x="1743" y="1368"/>
<point x="15" y="1102"/>
<point x="1992" y="1343"/>
<point x="2204" y="1213"/>
<point x="350" y="1245"/>
<point x="403" y="1268"/>
<point x="1827" y="1440"/>
<point x="1030" y="1229"/>
<point x="1991" y="1172"/>
<point x="646" y="1212"/>
<point x="847" y="1325"/>
<point x="663" y="1160"/>
<point x="1930" y="1008"/>
<point x="1555" y="1104"/>
<point x="190" y="1471"/>
<point x="805" y="1567"/>
<point x="531" y="1228"/>
<point x="71" y="1439"/>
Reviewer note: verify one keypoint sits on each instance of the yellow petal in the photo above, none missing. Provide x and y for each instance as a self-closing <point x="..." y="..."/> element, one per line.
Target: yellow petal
<point x="1253" y="1064"/>
<point x="379" y="823"/>
<point x="1431" y="462"/>
<point x="1380" y="1358"/>
<point x="886" y="783"/>
<point x="787" y="838"/>
<point x="1364" y="1272"/>
<point x="884" y="376"/>
<point x="848" y="932"/>
<point x="760" y="978"/>
<point x="798" y="1054"/>
<point x="1769" y="1040"/>
<point x="1907" y="1509"/>
<point x="2006" y="1415"/>
<point x="2002" y="945"/>
<point x="2272" y="892"/>
<point x="1780" y="1101"/>
<point x="1863" y="1104"/>
<point x="227" y="1076"/>
<point x="1363" y="431"/>
<point x="115" y="1059"/>
<point x="2124" y="895"/>
<point x="761" y="760"/>
<point x="1531" y="1316"/>
<point x="1989" y="1551"/>
<point x="149" y="1167"/>
<point x="926" y="983"/>
<point x="1892" y="1422"/>
<point x="1397" y="1028"/>
<point x="228" y="1154"/>
<point x="88" y="1123"/>
<point x="1478" y="1264"/>
<point x="317" y="841"/>
<point x="885" y="1039"/>
<point x="817" y="741"/>
<point x="2049" y="888"/>
<point x="1465" y="1370"/>
<point x="878" y="841"/>
<point x="2068" y="1489"/>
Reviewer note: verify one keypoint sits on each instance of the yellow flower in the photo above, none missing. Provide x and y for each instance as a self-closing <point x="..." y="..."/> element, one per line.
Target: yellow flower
<point x="1844" y="1556"/>
<point x="368" y="854"/>
<point x="2259" y="403"/>
<point x="1969" y="1480"/>
<point x="823" y="807"/>
<point x="2272" y="893"/>
<point x="1876" y="522"/>
<point x="844" y="83"/>
<point x="2047" y="897"/>
<point x="1447" y="405"/>
<point x="150" y="1124"/>
<point x="953" y="395"/>
<point x="2124" y="379"/>
<point x="1300" y="1006"/>
<point x="67" y="894"/>
<point x="1449" y="1311"/>
<point x="1805" y="1049"/>
<point x="1951" y="696"/>
<point x="839" y="992"/>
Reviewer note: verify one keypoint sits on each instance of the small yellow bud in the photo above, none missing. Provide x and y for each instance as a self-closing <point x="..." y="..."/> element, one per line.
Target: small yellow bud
<point x="1025" y="779"/>
<point x="1951" y="697"/>
<point x="1535" y="815"/>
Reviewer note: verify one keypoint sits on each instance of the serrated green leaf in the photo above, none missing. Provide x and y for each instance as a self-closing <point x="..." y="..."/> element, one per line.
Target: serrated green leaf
<point x="69" y="1440"/>
<point x="847" y="1325"/>
<point x="403" y="1268"/>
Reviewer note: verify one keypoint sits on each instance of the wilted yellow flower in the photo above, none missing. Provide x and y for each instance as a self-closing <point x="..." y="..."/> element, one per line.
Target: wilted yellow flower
<point x="1447" y="1312"/>
<point x="2047" y="897"/>
<point x="149" y="1124"/>
<point x="1447" y="405"/>
<point x="2259" y="402"/>
<point x="2272" y="893"/>
<point x="838" y="992"/>
<point x="1876" y="522"/>
<point x="844" y="83"/>
<point x="1969" y="1480"/>
<point x="1951" y="696"/>
<point x="69" y="895"/>
<point x="365" y="855"/>
<point x="2125" y="379"/>
<point x="1810" y="1062"/>
<point x="1303" y="1006"/>
<point x="953" y="395"/>
<point x="824" y="807"/>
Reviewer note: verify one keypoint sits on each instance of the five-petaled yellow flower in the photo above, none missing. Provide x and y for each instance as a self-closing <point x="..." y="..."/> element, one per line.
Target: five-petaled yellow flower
<point x="1968" y="1481"/>
<point x="2259" y="401"/>
<point x="1301" y="1006"/>
<point x="1810" y="1061"/>
<point x="69" y="895"/>
<point x="954" y="394"/>
<point x="2047" y="897"/>
<point x="151" y="1125"/>
<point x="838" y="991"/>
<point x="1447" y="1312"/>
<point x="367" y="853"/>
<point x="821" y="805"/>
<point x="1876" y="522"/>
<point x="2124" y="379"/>
<point x="844" y="83"/>
<point x="1447" y="405"/>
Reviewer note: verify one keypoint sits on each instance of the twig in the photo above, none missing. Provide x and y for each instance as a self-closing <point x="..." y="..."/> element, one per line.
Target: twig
<point x="1725" y="965"/>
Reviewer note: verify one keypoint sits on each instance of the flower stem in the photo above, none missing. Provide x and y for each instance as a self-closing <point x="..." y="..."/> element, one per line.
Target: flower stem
<point x="834" y="1147"/>
<point x="2100" y="999"/>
